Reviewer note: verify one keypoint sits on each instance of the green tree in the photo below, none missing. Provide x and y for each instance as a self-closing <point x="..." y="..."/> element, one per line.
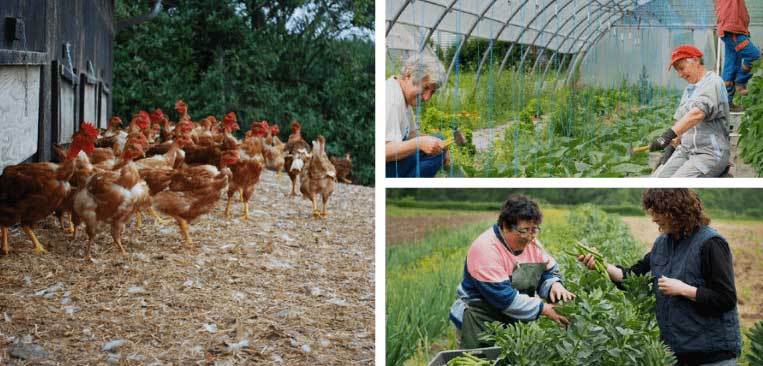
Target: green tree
<point x="274" y="60"/>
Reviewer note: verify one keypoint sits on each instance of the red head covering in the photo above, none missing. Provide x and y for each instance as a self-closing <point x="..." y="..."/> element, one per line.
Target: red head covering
<point x="684" y="51"/>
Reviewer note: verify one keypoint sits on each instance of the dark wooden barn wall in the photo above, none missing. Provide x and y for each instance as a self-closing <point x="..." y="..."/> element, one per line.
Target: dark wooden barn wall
<point x="88" y="27"/>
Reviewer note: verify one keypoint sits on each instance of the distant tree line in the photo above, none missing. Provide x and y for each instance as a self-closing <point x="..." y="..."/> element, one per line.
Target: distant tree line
<point x="736" y="201"/>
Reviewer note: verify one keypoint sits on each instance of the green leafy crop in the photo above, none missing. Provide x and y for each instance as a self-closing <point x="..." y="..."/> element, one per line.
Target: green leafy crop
<point x="751" y="140"/>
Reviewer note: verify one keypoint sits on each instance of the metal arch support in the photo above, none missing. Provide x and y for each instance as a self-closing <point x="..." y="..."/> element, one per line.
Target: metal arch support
<point x="585" y="50"/>
<point x="527" y="51"/>
<point x="593" y="31"/>
<point x="436" y="24"/>
<point x="394" y="20"/>
<point x="466" y="37"/>
<point x="577" y="38"/>
<point x="578" y="57"/>
<point x="569" y="34"/>
<point x="558" y="50"/>
<point x="490" y="47"/>
<point x="548" y="66"/>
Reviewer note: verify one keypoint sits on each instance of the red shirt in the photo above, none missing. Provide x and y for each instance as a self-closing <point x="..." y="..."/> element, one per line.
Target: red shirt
<point x="732" y="17"/>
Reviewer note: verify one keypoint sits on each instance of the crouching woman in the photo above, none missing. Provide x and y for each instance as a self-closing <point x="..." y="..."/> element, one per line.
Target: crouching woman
<point x="505" y="267"/>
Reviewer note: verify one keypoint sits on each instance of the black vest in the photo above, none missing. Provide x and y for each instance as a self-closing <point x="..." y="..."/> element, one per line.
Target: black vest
<point x="682" y="327"/>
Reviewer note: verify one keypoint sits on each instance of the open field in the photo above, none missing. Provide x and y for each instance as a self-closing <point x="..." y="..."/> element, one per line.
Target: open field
<point x="280" y="289"/>
<point x="411" y="225"/>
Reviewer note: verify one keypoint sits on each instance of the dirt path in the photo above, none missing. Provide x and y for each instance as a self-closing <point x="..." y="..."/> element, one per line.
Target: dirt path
<point x="747" y="249"/>
<point x="484" y="137"/>
<point x="280" y="289"/>
<point x="409" y="229"/>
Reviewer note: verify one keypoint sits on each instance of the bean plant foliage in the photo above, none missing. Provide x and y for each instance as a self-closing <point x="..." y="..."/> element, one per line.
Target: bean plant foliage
<point x="608" y="326"/>
<point x="275" y="60"/>
<point x="755" y="336"/>
<point x="585" y="132"/>
<point x="751" y="130"/>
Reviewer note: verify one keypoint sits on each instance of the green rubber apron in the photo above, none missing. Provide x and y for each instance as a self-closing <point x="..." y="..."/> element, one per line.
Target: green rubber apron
<point x="477" y="314"/>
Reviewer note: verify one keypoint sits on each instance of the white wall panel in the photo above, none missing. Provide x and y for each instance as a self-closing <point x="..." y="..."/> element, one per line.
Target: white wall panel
<point x="19" y="113"/>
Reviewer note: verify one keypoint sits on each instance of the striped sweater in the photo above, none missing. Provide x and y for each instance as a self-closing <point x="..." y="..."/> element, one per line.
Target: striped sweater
<point x="506" y="281"/>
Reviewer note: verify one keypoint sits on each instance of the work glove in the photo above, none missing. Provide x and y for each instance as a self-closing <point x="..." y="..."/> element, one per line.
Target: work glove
<point x="663" y="141"/>
<point x="666" y="156"/>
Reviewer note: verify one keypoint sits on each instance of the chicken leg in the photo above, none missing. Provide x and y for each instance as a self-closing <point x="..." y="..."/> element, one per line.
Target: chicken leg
<point x="37" y="246"/>
<point x="227" y="207"/>
<point x="184" y="228"/>
<point x="155" y="216"/>
<point x="138" y="220"/>
<point x="325" y="212"/>
<point x="87" y="249"/>
<point x="316" y="212"/>
<point x="246" y="211"/>
<point x="71" y="226"/>
<point x="116" y="233"/>
<point x="90" y="229"/>
<point x="6" y="248"/>
<point x="241" y="195"/>
<point x="61" y="221"/>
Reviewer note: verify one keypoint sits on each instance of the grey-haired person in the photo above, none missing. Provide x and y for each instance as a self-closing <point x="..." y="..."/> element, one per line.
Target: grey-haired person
<point x="407" y="152"/>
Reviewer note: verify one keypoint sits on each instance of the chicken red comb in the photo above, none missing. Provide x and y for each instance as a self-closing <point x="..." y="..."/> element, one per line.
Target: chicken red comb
<point x="81" y="141"/>
<point x="275" y="129"/>
<point x="138" y="138"/>
<point x="157" y="115"/>
<point x="295" y="126"/>
<point x="181" y="107"/>
<point x="141" y="119"/>
<point x="185" y="126"/>
<point x="115" y="120"/>
<point x="230" y="118"/>
<point x="89" y="129"/>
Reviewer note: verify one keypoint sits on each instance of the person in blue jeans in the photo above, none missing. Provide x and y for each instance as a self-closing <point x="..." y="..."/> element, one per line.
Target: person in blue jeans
<point x="429" y="164"/>
<point x="740" y="53"/>
<point x="408" y="153"/>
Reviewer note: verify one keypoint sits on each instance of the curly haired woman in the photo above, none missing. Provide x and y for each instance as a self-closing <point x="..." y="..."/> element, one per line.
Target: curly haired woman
<point x="693" y="280"/>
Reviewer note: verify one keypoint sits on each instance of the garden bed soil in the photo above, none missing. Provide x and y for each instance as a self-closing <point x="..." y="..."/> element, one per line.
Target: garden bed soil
<point x="410" y="229"/>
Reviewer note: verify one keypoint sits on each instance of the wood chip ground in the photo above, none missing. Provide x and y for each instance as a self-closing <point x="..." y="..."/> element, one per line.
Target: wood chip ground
<point x="280" y="289"/>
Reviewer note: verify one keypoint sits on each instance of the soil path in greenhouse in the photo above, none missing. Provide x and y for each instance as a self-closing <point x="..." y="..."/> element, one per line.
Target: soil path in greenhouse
<point x="282" y="288"/>
<point x="483" y="137"/>
<point x="413" y="228"/>
<point x="747" y="249"/>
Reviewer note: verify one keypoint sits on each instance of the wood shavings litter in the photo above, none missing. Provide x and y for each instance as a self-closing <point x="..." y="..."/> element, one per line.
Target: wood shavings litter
<point x="282" y="288"/>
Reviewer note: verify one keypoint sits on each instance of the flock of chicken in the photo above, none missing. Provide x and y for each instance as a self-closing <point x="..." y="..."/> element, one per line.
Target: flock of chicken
<point x="178" y="169"/>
